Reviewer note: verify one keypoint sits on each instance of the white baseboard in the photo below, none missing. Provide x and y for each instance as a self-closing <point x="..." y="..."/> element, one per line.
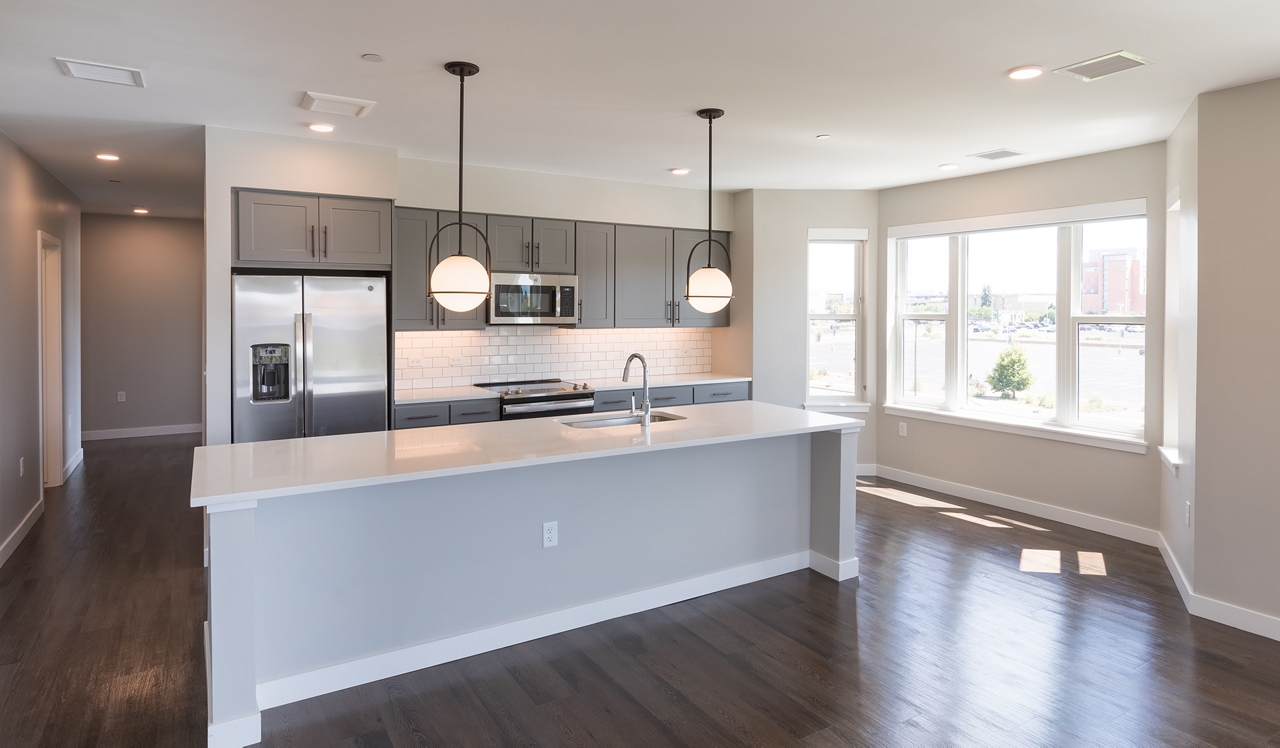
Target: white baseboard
<point x="837" y="570"/>
<point x="181" y="428"/>
<point x="15" y="538"/>
<point x="237" y="733"/>
<point x="1216" y="610"/>
<point x="337" y="677"/>
<point x="72" y="464"/>
<point x="867" y="469"/>
<point x="1093" y="522"/>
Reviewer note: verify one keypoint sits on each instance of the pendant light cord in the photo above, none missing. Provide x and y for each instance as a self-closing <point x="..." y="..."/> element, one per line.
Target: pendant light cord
<point x="462" y="109"/>
<point x="710" y="122"/>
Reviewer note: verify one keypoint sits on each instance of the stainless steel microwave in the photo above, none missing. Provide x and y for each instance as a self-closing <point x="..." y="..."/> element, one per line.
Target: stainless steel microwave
<point x="533" y="299"/>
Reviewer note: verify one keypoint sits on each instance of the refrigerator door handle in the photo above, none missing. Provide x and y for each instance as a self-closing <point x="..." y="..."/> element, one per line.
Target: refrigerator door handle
<point x="299" y="386"/>
<point x="308" y="395"/>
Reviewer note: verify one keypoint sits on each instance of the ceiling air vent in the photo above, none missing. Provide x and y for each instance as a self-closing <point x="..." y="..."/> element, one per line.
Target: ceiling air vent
<point x="96" y="71"/>
<point x="995" y="155"/>
<point x="1098" y="67"/>
<point x="318" y="102"/>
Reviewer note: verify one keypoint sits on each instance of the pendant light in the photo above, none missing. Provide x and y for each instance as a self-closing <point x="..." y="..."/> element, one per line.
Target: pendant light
<point x="709" y="289"/>
<point x="460" y="283"/>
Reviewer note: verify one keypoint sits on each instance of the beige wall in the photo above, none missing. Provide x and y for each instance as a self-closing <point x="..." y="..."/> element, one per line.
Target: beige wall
<point x="1105" y="483"/>
<point x="732" y="346"/>
<point x="1237" y="522"/>
<point x="32" y="200"/>
<point x="142" y="289"/>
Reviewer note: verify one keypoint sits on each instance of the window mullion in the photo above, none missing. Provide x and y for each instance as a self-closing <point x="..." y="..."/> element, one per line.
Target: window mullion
<point x="955" y="321"/>
<point x="1070" y="240"/>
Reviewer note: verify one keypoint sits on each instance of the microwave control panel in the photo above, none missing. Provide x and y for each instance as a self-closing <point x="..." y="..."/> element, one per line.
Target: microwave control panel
<point x="568" y="304"/>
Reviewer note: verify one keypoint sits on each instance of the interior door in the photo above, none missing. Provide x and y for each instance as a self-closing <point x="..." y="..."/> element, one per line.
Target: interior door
<point x="346" y="354"/>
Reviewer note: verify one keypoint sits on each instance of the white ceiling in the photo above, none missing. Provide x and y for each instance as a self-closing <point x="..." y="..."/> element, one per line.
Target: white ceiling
<point x="608" y="89"/>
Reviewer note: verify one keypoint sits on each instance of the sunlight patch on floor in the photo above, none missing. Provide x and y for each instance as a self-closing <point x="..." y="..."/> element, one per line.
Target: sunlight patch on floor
<point x="974" y="520"/>
<point x="905" y="497"/>
<point x="1016" y="522"/>
<point x="1092" y="563"/>
<point x="1041" y="561"/>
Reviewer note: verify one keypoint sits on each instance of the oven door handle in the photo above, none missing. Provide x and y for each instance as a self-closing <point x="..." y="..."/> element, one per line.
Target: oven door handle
<point x="553" y="405"/>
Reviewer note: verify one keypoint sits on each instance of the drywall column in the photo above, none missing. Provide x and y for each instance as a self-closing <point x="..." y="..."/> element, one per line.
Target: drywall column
<point x="833" y="500"/>
<point x="231" y="663"/>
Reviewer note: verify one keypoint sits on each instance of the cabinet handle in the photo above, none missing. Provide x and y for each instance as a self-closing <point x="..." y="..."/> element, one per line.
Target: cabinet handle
<point x="525" y="257"/>
<point x="537" y="254"/>
<point x="476" y="413"/>
<point x="326" y="241"/>
<point x="613" y="402"/>
<point x="313" y="240"/>
<point x="419" y="418"/>
<point x="659" y="399"/>
<point x="677" y="312"/>
<point x="579" y="311"/>
<point x="666" y="314"/>
<point x="721" y="394"/>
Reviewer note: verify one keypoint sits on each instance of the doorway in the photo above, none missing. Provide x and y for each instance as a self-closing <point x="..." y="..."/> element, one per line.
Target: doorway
<point x="49" y="261"/>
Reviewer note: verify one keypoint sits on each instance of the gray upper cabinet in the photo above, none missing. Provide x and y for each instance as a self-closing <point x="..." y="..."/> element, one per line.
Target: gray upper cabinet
<point x="511" y="242"/>
<point x="595" y="251"/>
<point x="412" y="309"/>
<point x="643" y="277"/>
<point x="472" y="246"/>
<point x="553" y="246"/>
<point x="355" y="231"/>
<point x="686" y="315"/>
<point x="277" y="228"/>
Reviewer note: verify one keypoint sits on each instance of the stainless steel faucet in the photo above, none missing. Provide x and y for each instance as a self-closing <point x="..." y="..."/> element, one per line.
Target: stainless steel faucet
<point x="644" y="404"/>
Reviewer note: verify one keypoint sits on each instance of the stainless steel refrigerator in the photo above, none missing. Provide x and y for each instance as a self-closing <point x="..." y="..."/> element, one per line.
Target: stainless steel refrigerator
<point x="309" y="356"/>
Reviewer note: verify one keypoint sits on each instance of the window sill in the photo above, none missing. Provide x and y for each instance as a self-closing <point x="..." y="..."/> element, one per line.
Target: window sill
<point x="838" y="407"/>
<point x="1171" y="458"/>
<point x="1041" y="431"/>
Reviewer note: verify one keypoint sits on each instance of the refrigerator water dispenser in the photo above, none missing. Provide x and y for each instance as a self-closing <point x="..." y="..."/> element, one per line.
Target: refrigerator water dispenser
<point x="270" y="372"/>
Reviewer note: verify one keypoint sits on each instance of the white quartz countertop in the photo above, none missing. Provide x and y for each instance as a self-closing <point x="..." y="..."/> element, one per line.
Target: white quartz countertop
<point x="230" y="473"/>
<point x="470" y="392"/>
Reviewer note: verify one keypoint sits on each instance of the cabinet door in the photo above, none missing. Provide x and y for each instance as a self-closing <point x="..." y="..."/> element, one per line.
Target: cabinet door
<point x="354" y="231"/>
<point x="421" y="415"/>
<point x="511" y="242"/>
<point x="472" y="247"/>
<point x="668" y="397"/>
<point x="553" y="245"/>
<point x="643" y="277"/>
<point x="616" y="400"/>
<point x="686" y="315"/>
<point x="474" y="411"/>
<point x="277" y="228"/>
<point x="595" y="252"/>
<point x="411" y="308"/>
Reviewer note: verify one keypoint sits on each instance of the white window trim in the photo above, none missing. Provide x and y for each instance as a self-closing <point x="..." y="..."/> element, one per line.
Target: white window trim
<point x="824" y="403"/>
<point x="1065" y="426"/>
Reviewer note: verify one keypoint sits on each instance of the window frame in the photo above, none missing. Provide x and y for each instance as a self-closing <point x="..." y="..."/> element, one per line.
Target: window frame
<point x="858" y="318"/>
<point x="1065" y="423"/>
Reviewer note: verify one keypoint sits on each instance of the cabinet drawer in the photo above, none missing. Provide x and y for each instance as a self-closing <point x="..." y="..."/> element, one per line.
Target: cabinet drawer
<point x="424" y="414"/>
<point x="720" y="393"/>
<point x="667" y="397"/>
<point x="616" y="400"/>
<point x="474" y="411"/>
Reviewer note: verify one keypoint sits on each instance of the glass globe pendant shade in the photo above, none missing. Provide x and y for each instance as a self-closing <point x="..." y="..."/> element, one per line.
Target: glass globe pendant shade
<point x="709" y="290"/>
<point x="459" y="283"/>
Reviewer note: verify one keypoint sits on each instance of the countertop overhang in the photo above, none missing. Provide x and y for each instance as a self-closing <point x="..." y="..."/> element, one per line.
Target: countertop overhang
<point x="228" y="474"/>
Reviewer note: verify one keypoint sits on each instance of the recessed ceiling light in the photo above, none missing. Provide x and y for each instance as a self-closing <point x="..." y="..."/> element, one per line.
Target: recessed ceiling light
<point x="321" y="127"/>
<point x="680" y="172"/>
<point x="108" y="157"/>
<point x="1026" y="72"/>
<point x="371" y="57"/>
<point x="139" y="209"/>
<point x="948" y="167"/>
<point x="824" y="137"/>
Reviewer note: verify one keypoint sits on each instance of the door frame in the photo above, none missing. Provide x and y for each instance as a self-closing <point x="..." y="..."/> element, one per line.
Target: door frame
<point x="52" y="400"/>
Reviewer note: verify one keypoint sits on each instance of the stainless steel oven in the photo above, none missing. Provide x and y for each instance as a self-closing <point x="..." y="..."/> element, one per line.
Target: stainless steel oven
<point x="538" y="398"/>
<point x="533" y="299"/>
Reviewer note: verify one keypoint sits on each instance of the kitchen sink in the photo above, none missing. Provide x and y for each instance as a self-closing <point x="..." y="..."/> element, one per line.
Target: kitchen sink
<point x="599" y="422"/>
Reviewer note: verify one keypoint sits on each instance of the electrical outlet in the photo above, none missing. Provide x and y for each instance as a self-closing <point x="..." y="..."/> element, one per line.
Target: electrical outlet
<point x="684" y="352"/>
<point x="415" y="363"/>
<point x="902" y="428"/>
<point x="119" y="397"/>
<point x="1188" y="514"/>
<point x="550" y="534"/>
<point x="22" y="468"/>
<point x="457" y="361"/>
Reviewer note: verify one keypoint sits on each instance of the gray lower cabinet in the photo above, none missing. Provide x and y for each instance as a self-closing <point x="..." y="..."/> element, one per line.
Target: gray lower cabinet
<point x="669" y="397"/>
<point x="595" y="252"/>
<point x="277" y="228"/>
<point x="472" y="246"/>
<point x="474" y="411"/>
<point x="411" y="308"/>
<point x="553" y="246"/>
<point x="420" y="415"/>
<point x="643" y="277"/>
<point x="355" y="231"/>
<point x="720" y="393"/>
<point x="616" y="400"/>
<point x="511" y="244"/>
<point x="685" y="243"/>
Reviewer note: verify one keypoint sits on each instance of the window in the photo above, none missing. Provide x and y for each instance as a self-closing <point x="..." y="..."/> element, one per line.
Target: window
<point x="835" y="307"/>
<point x="1038" y="324"/>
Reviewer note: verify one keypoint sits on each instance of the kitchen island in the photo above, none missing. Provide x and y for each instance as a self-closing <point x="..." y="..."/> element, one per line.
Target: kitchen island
<point x="340" y="560"/>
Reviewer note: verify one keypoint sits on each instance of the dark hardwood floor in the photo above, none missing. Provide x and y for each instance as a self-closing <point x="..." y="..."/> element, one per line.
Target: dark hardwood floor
<point x="944" y="642"/>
